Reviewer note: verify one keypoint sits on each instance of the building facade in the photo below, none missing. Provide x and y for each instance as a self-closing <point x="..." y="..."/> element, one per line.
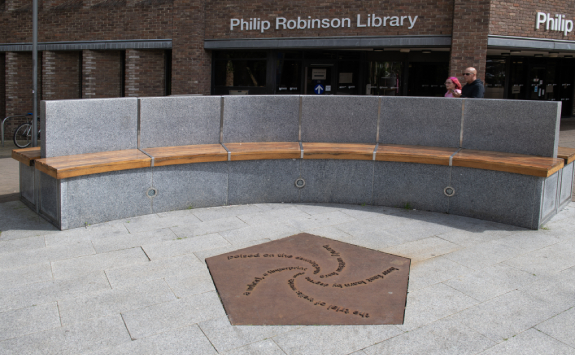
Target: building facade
<point x="113" y="48"/>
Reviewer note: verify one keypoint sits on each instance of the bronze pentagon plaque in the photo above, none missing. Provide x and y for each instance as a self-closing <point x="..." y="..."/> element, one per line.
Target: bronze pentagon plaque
<point x="305" y="279"/>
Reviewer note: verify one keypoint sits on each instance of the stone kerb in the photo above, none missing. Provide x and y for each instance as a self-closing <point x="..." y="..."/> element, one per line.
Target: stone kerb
<point x="177" y="121"/>
<point x="72" y="127"/>
<point x="339" y="119"/>
<point x="434" y="122"/>
<point x="261" y="119"/>
<point x="512" y="126"/>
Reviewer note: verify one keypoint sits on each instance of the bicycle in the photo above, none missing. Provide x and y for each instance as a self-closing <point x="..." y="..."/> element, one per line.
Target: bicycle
<point x="23" y="134"/>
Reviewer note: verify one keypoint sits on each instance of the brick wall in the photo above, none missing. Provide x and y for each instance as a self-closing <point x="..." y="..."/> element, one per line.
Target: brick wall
<point x="145" y="73"/>
<point x="469" y="38"/>
<point x="191" y="64"/>
<point x="2" y="86"/>
<point x="19" y="86"/>
<point x="61" y="75"/>
<point x="518" y="18"/>
<point x="101" y="74"/>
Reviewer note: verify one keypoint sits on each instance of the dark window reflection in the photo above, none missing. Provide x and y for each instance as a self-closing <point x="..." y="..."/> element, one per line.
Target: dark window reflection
<point x="495" y="78"/>
<point x="240" y="73"/>
<point x="288" y="74"/>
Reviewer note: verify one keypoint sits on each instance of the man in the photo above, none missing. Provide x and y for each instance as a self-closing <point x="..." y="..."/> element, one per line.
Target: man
<point x="473" y="87"/>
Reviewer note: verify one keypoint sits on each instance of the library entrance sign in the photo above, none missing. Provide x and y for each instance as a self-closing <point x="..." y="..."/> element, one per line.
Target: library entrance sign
<point x="306" y="279"/>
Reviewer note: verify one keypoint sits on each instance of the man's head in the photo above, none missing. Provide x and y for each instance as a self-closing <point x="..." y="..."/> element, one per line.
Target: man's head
<point x="470" y="75"/>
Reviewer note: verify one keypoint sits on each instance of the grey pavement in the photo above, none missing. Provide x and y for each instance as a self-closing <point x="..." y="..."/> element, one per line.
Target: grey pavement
<point x="141" y="285"/>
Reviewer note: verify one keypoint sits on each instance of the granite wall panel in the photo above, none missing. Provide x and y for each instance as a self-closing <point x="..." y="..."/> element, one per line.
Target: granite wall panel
<point x="339" y="119"/>
<point x="337" y="181"/>
<point x="512" y="126"/>
<point x="434" y="122"/>
<point x="190" y="186"/>
<point x="418" y="186"/>
<point x="88" y="126"/>
<point x="179" y="120"/>
<point x="261" y="119"/>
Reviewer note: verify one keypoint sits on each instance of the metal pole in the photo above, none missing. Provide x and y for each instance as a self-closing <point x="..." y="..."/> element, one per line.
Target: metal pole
<point x="35" y="71"/>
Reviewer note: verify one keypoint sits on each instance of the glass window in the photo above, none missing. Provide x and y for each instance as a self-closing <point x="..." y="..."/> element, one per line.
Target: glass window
<point x="384" y="78"/>
<point x="495" y="78"/>
<point x="517" y="88"/>
<point x="240" y="73"/>
<point x="288" y="75"/>
<point x="347" y="79"/>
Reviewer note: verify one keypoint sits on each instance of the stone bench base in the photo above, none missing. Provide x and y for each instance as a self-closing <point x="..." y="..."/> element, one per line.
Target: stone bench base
<point x="515" y="199"/>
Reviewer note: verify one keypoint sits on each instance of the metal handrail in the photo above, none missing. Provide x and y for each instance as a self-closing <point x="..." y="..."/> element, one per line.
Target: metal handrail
<point x="5" y="119"/>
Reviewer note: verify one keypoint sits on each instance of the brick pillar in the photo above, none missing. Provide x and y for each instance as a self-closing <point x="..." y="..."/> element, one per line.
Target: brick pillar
<point x="2" y="86"/>
<point x="191" y="64"/>
<point x="469" y="37"/>
<point x="101" y="74"/>
<point x="60" y="75"/>
<point x="145" y="73"/>
<point x="19" y="86"/>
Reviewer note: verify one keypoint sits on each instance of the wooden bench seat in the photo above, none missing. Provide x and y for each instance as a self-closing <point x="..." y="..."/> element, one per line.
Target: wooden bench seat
<point x="93" y="163"/>
<point x="263" y="150"/>
<point x="414" y="154"/>
<point x="567" y="154"/>
<point x="350" y="151"/>
<point x="507" y="162"/>
<point x="187" y="154"/>
<point x="26" y="156"/>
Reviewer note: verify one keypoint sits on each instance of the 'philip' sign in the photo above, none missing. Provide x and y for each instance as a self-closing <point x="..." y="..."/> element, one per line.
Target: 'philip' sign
<point x="557" y="23"/>
<point x="282" y="23"/>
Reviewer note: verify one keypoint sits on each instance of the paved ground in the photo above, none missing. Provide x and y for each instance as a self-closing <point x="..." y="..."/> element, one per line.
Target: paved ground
<point x="140" y="285"/>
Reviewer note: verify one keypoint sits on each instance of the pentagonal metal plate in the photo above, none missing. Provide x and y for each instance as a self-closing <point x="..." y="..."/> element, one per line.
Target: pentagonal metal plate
<point x="306" y="279"/>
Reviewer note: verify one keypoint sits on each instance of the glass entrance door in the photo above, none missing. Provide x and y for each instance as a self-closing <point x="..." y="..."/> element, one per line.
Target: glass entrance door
<point x="319" y="79"/>
<point x="536" y="79"/>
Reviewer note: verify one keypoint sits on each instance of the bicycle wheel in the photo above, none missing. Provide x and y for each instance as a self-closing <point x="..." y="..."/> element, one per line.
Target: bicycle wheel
<point x="23" y="135"/>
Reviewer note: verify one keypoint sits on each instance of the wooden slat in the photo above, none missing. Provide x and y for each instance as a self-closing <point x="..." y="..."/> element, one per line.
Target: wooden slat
<point x="414" y="154"/>
<point x="350" y="151"/>
<point x="511" y="163"/>
<point x="187" y="154"/>
<point x="568" y="154"/>
<point x="264" y="150"/>
<point x="26" y="155"/>
<point x="92" y="163"/>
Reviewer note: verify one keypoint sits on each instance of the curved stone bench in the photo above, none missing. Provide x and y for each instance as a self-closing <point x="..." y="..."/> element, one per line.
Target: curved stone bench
<point x="430" y="154"/>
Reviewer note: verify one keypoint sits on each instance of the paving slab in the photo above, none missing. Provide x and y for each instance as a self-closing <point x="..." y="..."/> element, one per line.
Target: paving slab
<point x="86" y="264"/>
<point x="187" y="340"/>
<point x="442" y="337"/>
<point x="505" y="316"/>
<point x="46" y="254"/>
<point x="219" y="225"/>
<point x="271" y="231"/>
<point x="265" y="347"/>
<point x="530" y="342"/>
<point x="10" y="246"/>
<point x="184" y="244"/>
<point x="432" y="303"/>
<point x="545" y="261"/>
<point x="560" y="327"/>
<point x="423" y="249"/>
<point x="111" y="242"/>
<point x="483" y="255"/>
<point x="492" y="281"/>
<point x="51" y="291"/>
<point x="333" y="340"/>
<point x="226" y="337"/>
<point x="172" y="315"/>
<point x="36" y="318"/>
<point x="435" y="270"/>
<point x="202" y="255"/>
<point x="26" y="275"/>
<point x="73" y="339"/>
<point x="177" y="267"/>
<point x="114" y="301"/>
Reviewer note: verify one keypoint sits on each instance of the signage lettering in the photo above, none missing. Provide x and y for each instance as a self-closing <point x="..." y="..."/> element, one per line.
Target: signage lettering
<point x="557" y="23"/>
<point x="282" y="23"/>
